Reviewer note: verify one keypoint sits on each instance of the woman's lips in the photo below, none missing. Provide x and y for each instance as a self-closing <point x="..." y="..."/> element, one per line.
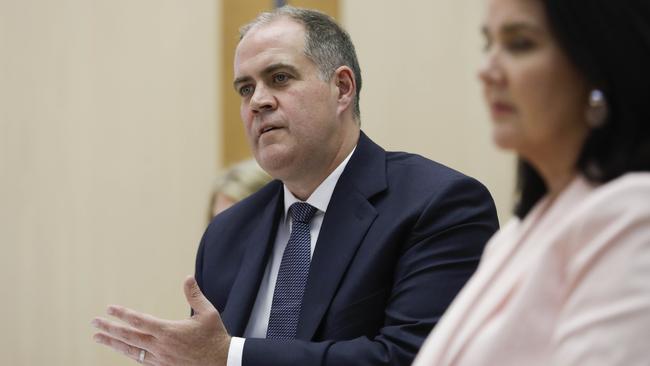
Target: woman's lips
<point x="501" y="109"/>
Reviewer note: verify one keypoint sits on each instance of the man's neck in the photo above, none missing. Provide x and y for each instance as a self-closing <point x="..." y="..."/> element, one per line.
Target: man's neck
<point x="304" y="188"/>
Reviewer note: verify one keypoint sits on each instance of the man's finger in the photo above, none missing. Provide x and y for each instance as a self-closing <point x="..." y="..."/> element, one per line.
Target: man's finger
<point x="137" y="320"/>
<point x="124" y="348"/>
<point x="198" y="302"/>
<point x="124" y="333"/>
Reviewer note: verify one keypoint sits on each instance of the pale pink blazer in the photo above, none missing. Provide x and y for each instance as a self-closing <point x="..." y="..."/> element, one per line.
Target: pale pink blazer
<point x="568" y="285"/>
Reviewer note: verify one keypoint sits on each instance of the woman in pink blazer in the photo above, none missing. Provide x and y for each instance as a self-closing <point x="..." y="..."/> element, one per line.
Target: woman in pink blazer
<point x="567" y="281"/>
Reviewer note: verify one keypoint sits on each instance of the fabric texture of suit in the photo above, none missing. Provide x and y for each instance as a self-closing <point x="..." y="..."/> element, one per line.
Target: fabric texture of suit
<point x="567" y="286"/>
<point x="400" y="237"/>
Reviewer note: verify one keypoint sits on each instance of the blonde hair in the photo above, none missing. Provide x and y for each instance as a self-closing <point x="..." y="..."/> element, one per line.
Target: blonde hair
<point x="239" y="181"/>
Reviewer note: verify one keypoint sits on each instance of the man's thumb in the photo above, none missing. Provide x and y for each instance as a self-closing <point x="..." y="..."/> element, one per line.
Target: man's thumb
<point x="198" y="302"/>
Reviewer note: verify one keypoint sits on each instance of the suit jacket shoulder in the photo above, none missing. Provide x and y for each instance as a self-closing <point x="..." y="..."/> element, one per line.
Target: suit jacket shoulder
<point x="400" y="237"/>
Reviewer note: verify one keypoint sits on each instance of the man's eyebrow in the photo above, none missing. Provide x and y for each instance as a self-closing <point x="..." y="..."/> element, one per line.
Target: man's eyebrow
<point x="277" y="66"/>
<point x="240" y="80"/>
<point x="267" y="70"/>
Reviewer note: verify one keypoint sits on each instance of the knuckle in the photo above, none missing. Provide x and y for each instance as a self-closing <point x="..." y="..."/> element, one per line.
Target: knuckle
<point x="124" y="348"/>
<point x="163" y="358"/>
<point x="213" y="316"/>
<point x="127" y="349"/>
<point x="166" y="331"/>
<point x="135" y="321"/>
<point x="125" y="334"/>
<point x="108" y="328"/>
<point x="103" y="339"/>
<point x="150" y="342"/>
<point x="103" y="326"/>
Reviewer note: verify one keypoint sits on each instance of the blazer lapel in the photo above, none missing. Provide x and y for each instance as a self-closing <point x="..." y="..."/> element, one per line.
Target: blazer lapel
<point x="244" y="290"/>
<point x="481" y="295"/>
<point x="349" y="216"/>
<point x="499" y="277"/>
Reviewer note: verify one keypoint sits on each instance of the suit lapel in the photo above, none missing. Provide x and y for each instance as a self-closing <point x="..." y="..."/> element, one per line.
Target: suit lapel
<point x="349" y="216"/>
<point x="244" y="290"/>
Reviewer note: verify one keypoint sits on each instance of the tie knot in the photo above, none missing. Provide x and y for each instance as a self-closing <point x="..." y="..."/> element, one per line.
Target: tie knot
<point x="302" y="212"/>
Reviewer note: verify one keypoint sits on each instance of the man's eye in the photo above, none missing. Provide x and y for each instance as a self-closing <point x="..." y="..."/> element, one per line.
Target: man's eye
<point x="245" y="90"/>
<point x="280" y="78"/>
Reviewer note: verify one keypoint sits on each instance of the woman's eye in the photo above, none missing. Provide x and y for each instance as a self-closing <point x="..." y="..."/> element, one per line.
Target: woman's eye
<point x="520" y="44"/>
<point x="245" y="90"/>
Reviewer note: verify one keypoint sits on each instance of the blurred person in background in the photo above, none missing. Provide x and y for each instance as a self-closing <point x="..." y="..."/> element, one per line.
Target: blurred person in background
<point x="235" y="183"/>
<point x="565" y="282"/>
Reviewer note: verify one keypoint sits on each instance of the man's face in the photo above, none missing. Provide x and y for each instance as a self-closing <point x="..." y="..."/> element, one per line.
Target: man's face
<point x="289" y="111"/>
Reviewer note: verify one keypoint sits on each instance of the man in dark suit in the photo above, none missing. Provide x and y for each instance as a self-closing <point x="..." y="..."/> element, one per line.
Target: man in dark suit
<point x="349" y="257"/>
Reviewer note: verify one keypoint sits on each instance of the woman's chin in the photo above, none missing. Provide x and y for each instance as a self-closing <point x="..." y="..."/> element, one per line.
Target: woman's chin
<point x="503" y="140"/>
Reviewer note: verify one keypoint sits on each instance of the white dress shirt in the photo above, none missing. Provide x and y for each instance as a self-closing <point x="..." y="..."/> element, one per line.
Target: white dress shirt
<point x="259" y="319"/>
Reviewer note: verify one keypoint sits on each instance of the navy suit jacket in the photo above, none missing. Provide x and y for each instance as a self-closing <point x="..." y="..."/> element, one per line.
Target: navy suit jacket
<point x="400" y="237"/>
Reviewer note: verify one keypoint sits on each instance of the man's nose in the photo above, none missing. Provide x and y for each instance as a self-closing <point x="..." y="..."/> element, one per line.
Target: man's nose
<point x="263" y="100"/>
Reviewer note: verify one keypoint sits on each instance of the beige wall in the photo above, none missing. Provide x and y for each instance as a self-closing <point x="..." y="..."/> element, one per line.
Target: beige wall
<point x="420" y="92"/>
<point x="109" y="139"/>
<point x="108" y="145"/>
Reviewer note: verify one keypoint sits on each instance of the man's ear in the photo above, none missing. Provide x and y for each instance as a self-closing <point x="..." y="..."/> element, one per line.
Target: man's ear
<point x="346" y="86"/>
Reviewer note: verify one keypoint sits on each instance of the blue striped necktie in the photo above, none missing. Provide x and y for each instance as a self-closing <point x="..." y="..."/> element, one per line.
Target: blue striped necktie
<point x="292" y="276"/>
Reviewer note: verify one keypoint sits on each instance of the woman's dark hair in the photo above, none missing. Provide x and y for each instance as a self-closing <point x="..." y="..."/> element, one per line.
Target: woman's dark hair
<point x="608" y="41"/>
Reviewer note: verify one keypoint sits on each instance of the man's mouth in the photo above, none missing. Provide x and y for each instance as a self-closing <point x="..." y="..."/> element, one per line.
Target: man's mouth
<point x="266" y="129"/>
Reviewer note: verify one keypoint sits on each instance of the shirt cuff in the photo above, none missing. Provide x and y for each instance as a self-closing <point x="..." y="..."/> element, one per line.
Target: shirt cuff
<point x="235" y="351"/>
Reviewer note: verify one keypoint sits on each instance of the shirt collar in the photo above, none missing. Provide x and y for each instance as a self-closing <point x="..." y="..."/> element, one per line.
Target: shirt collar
<point x="320" y="198"/>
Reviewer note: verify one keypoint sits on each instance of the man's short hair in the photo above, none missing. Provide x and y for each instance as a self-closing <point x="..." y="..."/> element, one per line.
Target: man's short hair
<point x="326" y="44"/>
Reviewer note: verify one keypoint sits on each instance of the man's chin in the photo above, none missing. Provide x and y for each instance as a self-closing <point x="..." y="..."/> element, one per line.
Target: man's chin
<point x="275" y="163"/>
